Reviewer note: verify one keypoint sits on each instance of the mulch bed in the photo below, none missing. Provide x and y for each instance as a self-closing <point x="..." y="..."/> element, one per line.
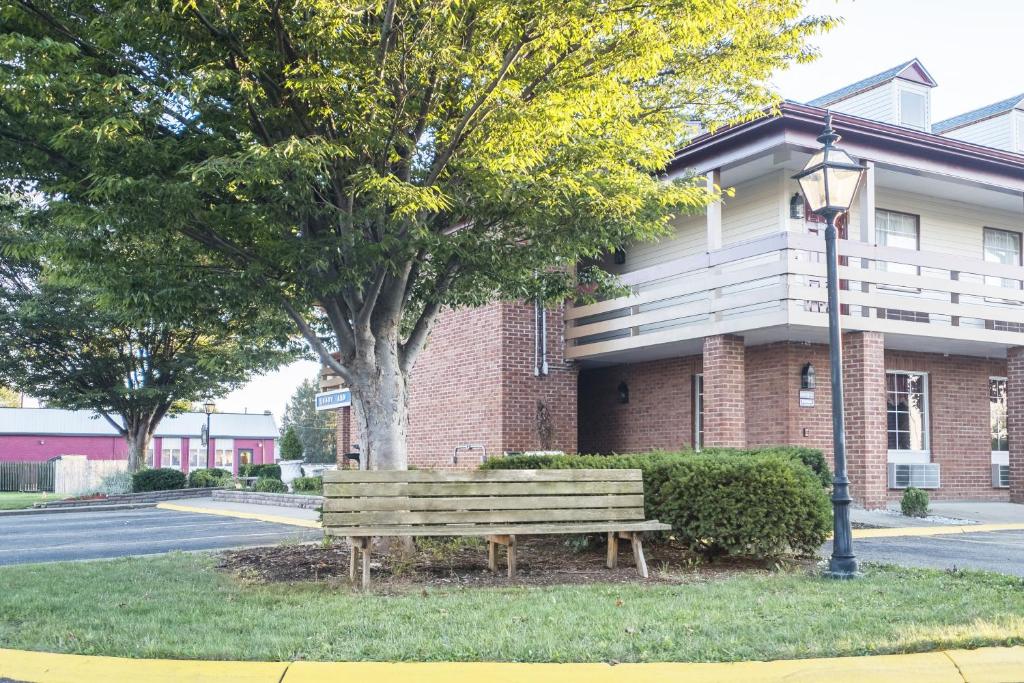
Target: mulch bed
<point x="543" y="561"/>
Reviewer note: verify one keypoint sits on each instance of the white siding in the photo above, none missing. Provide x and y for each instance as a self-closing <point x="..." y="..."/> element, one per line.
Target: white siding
<point x="877" y="104"/>
<point x="689" y="238"/>
<point x="754" y="211"/>
<point x="947" y="226"/>
<point x="992" y="132"/>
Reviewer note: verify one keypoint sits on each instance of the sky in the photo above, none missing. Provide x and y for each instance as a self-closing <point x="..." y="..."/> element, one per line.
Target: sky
<point x="974" y="51"/>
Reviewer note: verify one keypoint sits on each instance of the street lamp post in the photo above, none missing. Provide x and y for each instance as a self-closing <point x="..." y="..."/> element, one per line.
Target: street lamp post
<point x="209" y="407"/>
<point x="829" y="182"/>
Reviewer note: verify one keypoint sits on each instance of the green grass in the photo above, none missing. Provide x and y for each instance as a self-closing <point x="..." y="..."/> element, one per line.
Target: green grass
<point x="18" y="501"/>
<point x="178" y="606"/>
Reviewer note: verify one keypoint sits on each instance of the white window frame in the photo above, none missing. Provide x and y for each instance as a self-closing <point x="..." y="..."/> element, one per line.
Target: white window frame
<point x="167" y="445"/>
<point x="912" y="456"/>
<point x="195" y="443"/>
<point x="925" y="112"/>
<point x="697" y="404"/>
<point x="998" y="457"/>
<point x="220" y="446"/>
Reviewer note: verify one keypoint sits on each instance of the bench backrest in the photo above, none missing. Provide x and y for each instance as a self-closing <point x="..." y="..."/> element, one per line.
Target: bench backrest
<point x="354" y="498"/>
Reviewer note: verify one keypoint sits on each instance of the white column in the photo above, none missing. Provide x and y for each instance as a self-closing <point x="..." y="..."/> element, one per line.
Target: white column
<point x="867" y="205"/>
<point x="714" y="212"/>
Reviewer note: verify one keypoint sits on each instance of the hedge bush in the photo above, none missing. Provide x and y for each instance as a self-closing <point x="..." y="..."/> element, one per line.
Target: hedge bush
<point x="208" y="478"/>
<point x="742" y="503"/>
<point x="269" y="485"/>
<point x="267" y="471"/>
<point x="309" y="485"/>
<point x="160" y="479"/>
<point x="914" y="502"/>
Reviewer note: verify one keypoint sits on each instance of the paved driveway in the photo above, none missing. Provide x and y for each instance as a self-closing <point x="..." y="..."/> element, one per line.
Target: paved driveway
<point x="997" y="551"/>
<point x="147" y="531"/>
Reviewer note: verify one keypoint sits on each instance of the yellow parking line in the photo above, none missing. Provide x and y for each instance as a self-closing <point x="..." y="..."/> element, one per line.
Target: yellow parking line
<point x="935" y="530"/>
<point x="277" y="519"/>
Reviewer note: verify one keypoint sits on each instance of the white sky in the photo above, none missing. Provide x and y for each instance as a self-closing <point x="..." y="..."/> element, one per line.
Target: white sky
<point x="974" y="50"/>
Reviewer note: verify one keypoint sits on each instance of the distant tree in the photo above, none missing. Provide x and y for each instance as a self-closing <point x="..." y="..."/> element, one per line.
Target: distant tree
<point x="291" y="445"/>
<point x="9" y="398"/>
<point x="316" y="429"/>
<point x="68" y="346"/>
<point x="368" y="164"/>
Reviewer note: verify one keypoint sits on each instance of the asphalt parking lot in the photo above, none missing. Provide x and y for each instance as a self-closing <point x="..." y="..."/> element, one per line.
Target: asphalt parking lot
<point x="58" y="537"/>
<point x="997" y="551"/>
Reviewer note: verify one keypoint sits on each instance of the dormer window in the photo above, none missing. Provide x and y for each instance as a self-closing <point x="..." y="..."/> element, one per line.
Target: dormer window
<point x="913" y="109"/>
<point x="1020" y="133"/>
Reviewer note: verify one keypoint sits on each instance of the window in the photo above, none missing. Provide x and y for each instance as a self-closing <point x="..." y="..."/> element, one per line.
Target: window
<point x="224" y="454"/>
<point x="1020" y="132"/>
<point x="907" y="413"/>
<point x="170" y="453"/>
<point x="1002" y="246"/>
<point x="913" y="109"/>
<point x="196" y="453"/>
<point x="698" y="412"/>
<point x="997" y="414"/>
<point x="902" y="231"/>
<point x="149" y="456"/>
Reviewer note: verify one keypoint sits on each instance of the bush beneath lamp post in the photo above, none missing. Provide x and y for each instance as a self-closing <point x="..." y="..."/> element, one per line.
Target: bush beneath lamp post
<point x="914" y="503"/>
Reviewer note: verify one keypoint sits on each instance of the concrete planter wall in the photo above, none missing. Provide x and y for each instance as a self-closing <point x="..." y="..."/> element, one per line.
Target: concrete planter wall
<point x="278" y="499"/>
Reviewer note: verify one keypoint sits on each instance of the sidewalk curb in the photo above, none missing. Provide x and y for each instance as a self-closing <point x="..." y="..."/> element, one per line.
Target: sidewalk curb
<point x="985" y="665"/>
<point x="76" y="508"/>
<point x="936" y="531"/>
<point x="276" y="519"/>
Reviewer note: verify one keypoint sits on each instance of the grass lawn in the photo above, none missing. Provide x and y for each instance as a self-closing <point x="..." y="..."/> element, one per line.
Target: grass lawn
<point x="179" y="606"/>
<point x="18" y="501"/>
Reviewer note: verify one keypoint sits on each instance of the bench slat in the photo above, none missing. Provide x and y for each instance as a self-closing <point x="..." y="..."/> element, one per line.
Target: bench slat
<point x="392" y="476"/>
<point x="373" y="489"/>
<point x="496" y="529"/>
<point x="482" y="503"/>
<point x="337" y="519"/>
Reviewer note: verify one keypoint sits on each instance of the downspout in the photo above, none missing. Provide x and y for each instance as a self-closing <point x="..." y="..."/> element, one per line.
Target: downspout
<point x="543" y="338"/>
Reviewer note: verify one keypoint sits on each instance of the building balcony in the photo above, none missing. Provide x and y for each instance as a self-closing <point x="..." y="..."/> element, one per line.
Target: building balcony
<point x="774" y="288"/>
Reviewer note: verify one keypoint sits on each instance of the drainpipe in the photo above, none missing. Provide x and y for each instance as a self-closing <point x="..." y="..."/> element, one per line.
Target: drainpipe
<point x="543" y="339"/>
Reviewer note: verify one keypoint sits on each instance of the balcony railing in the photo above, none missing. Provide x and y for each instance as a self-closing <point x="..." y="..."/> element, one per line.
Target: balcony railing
<point x="780" y="280"/>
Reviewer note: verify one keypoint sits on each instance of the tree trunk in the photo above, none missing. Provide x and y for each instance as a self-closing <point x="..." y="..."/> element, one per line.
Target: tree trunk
<point x="381" y="403"/>
<point x="138" y="437"/>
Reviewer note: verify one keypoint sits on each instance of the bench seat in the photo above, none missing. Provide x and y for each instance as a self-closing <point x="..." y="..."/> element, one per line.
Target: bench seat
<point x="498" y="529"/>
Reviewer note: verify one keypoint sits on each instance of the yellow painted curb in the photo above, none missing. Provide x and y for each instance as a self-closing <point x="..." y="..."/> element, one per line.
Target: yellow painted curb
<point x="46" y="667"/>
<point x="277" y="519"/>
<point x="990" y="664"/>
<point x="932" y="667"/>
<point x="986" y="665"/>
<point x="935" y="530"/>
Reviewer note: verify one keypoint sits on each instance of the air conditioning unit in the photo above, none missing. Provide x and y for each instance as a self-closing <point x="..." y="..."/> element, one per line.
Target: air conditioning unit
<point x="1000" y="476"/>
<point x="920" y="475"/>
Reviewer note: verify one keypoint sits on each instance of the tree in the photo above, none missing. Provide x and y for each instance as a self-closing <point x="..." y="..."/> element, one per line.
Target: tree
<point x="63" y="345"/>
<point x="291" y="446"/>
<point x="367" y="164"/>
<point x="9" y="398"/>
<point x="315" y="429"/>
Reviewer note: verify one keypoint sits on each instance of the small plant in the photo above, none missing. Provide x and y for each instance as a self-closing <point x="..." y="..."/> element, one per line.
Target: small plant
<point x="261" y="471"/>
<point x="160" y="479"/>
<point x="268" y="485"/>
<point x="116" y="483"/>
<point x="581" y="543"/>
<point x="208" y="478"/>
<point x="291" y="445"/>
<point x="313" y="485"/>
<point x="914" y="503"/>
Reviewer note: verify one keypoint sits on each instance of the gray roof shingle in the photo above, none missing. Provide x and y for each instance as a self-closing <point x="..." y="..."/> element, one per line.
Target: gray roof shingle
<point x="864" y="84"/>
<point x="978" y="114"/>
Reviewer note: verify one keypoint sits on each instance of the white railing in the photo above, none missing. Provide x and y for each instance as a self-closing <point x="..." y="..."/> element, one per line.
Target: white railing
<point x="780" y="280"/>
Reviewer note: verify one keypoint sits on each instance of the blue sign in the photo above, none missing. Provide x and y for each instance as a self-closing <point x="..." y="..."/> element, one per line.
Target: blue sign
<point x="331" y="400"/>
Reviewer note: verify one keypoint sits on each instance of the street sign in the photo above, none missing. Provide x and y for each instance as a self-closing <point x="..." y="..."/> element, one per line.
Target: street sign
<point x="332" y="400"/>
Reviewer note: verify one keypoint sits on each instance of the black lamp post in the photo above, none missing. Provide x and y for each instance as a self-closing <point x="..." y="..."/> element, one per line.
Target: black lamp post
<point x="829" y="182"/>
<point x="209" y="407"/>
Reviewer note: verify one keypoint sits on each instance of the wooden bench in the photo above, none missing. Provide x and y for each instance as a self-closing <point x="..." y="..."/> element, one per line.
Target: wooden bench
<point x="499" y="505"/>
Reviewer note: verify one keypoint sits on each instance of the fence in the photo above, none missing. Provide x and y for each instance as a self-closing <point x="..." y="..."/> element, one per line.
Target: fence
<point x="27" y="476"/>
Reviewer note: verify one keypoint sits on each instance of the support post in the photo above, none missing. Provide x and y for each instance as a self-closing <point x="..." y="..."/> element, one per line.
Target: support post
<point x="613" y="550"/>
<point x="638" y="554"/>
<point x="352" y="550"/>
<point x="511" y="557"/>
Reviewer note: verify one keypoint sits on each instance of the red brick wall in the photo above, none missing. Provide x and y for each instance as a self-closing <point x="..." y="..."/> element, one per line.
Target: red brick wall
<point x="866" y="441"/>
<point x="958" y="400"/>
<point x="659" y="414"/>
<point x="1015" y="420"/>
<point x="725" y="421"/>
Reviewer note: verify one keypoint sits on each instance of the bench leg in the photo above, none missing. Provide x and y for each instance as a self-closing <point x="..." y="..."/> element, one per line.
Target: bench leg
<point x="613" y="550"/>
<point x="638" y="555"/>
<point x="511" y="557"/>
<point x="492" y="555"/>
<point x="364" y="551"/>
<point x="352" y="550"/>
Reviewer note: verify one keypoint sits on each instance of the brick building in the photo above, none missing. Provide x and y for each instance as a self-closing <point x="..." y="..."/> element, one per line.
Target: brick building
<point x="722" y="340"/>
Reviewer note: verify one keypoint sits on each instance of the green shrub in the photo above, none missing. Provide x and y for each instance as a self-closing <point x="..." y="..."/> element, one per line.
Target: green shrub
<point x="269" y="485"/>
<point x="291" y="445"/>
<point x="743" y="503"/>
<point x="914" y="503"/>
<point x="208" y="478"/>
<point x="160" y="479"/>
<point x="266" y="471"/>
<point x="308" y="484"/>
<point x="811" y="457"/>
<point x="116" y="483"/>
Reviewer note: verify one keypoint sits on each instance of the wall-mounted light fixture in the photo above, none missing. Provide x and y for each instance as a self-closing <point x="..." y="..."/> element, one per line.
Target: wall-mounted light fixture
<point x="796" y="206"/>
<point x="619" y="256"/>
<point x="623" y="392"/>
<point x="807" y="377"/>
